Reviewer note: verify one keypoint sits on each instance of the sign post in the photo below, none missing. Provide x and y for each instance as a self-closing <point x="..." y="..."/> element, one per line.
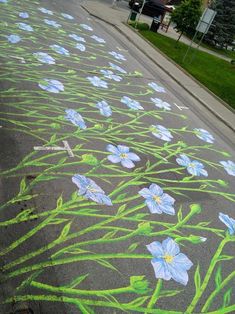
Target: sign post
<point x="202" y="27"/>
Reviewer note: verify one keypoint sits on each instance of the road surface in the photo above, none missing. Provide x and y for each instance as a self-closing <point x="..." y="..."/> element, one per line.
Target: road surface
<point x="117" y="188"/>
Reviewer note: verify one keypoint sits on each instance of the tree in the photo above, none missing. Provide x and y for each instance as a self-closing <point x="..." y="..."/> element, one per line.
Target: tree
<point x="186" y="16"/>
<point x="222" y="30"/>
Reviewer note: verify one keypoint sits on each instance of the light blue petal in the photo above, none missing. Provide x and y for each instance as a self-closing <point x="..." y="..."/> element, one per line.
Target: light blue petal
<point x="155" y="189"/>
<point x="114" y="158"/>
<point x="112" y="149"/>
<point x="153" y="206"/>
<point x="99" y="198"/>
<point x="170" y="247"/>
<point x="133" y="156"/>
<point x="167" y="209"/>
<point x="123" y="149"/>
<point x="167" y="199"/>
<point x="178" y="274"/>
<point x="183" y="160"/>
<point x="80" y="181"/>
<point x="181" y="261"/>
<point x="146" y="193"/>
<point x="160" y="269"/>
<point x="155" y="248"/>
<point x="229" y="222"/>
<point x="127" y="163"/>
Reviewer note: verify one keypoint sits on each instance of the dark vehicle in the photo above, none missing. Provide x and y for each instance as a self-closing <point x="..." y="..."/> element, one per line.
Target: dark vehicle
<point x="151" y="8"/>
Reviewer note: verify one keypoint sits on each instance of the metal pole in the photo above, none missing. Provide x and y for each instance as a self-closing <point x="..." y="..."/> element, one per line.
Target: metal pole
<point x="197" y="48"/>
<point x="141" y="9"/>
<point x="190" y="46"/>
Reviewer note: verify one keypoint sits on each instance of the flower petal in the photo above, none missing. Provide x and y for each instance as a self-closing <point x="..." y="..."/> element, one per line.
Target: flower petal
<point x="133" y="156"/>
<point x="160" y="269"/>
<point x="178" y="274"/>
<point x="114" y="158"/>
<point x="155" y="189"/>
<point x="155" y="248"/>
<point x="182" y="261"/>
<point x="127" y="163"/>
<point x="153" y="206"/>
<point x="170" y="247"/>
<point x="112" y="149"/>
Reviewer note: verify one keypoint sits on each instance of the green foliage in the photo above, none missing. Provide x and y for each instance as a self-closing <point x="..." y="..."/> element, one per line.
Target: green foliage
<point x="216" y="74"/>
<point x="140" y="26"/>
<point x="222" y="30"/>
<point x="186" y="16"/>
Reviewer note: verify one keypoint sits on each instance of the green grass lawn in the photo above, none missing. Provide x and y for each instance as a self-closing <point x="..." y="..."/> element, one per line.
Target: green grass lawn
<point x="216" y="74"/>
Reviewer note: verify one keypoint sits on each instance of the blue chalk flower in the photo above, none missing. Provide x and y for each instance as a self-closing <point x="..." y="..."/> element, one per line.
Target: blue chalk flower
<point x="104" y="108"/>
<point x="77" y="38"/>
<point x="74" y="117"/>
<point x="90" y="190"/>
<point x="168" y="263"/>
<point x="161" y="132"/>
<point x="229" y="167"/>
<point x="157" y="87"/>
<point x="98" y="39"/>
<point x="25" y="27"/>
<point x="110" y="75"/>
<point x="87" y="27"/>
<point x="123" y="155"/>
<point x="44" y="57"/>
<point x="117" y="68"/>
<point x="194" y="167"/>
<point x="3" y="1"/>
<point x="229" y="222"/>
<point x="157" y="201"/>
<point x="117" y="56"/>
<point x="67" y="16"/>
<point x="52" y="86"/>
<point x="52" y="23"/>
<point x="80" y="47"/>
<point x="59" y="49"/>
<point x="43" y="10"/>
<point x="13" y="39"/>
<point x="24" y="15"/>
<point x="161" y="104"/>
<point x="96" y="81"/>
<point x="132" y="104"/>
<point x="204" y="135"/>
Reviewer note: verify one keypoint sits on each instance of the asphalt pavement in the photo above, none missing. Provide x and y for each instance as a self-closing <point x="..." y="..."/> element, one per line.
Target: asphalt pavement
<point x="117" y="185"/>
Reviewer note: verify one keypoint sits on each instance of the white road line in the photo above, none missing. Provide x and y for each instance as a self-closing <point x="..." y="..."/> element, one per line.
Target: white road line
<point x="180" y="107"/>
<point x="57" y="148"/>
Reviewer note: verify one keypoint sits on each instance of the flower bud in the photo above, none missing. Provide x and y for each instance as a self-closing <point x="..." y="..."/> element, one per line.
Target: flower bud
<point x="89" y="159"/>
<point x="139" y="284"/>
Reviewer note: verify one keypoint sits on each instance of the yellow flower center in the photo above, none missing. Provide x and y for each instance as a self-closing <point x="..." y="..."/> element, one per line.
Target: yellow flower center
<point x="92" y="190"/>
<point x="123" y="155"/>
<point x="168" y="258"/>
<point x="157" y="199"/>
<point x="192" y="165"/>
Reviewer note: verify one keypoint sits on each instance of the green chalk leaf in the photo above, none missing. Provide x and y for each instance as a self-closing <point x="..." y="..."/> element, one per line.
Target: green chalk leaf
<point x="139" y="301"/>
<point x="227" y="298"/>
<point x="218" y="277"/>
<point x="121" y="209"/>
<point x="132" y="247"/>
<point x="106" y="264"/>
<point x="22" y="186"/>
<point x="65" y="231"/>
<point x="74" y="283"/>
<point x="169" y="293"/>
<point x="197" y="279"/>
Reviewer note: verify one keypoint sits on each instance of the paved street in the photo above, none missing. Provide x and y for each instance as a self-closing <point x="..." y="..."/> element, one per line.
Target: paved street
<point x="117" y="186"/>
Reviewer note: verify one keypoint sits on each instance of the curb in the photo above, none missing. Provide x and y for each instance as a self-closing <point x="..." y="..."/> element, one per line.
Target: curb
<point x="217" y="115"/>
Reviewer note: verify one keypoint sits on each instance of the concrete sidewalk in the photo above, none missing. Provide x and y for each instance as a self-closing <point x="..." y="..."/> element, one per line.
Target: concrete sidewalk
<point x="117" y="19"/>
